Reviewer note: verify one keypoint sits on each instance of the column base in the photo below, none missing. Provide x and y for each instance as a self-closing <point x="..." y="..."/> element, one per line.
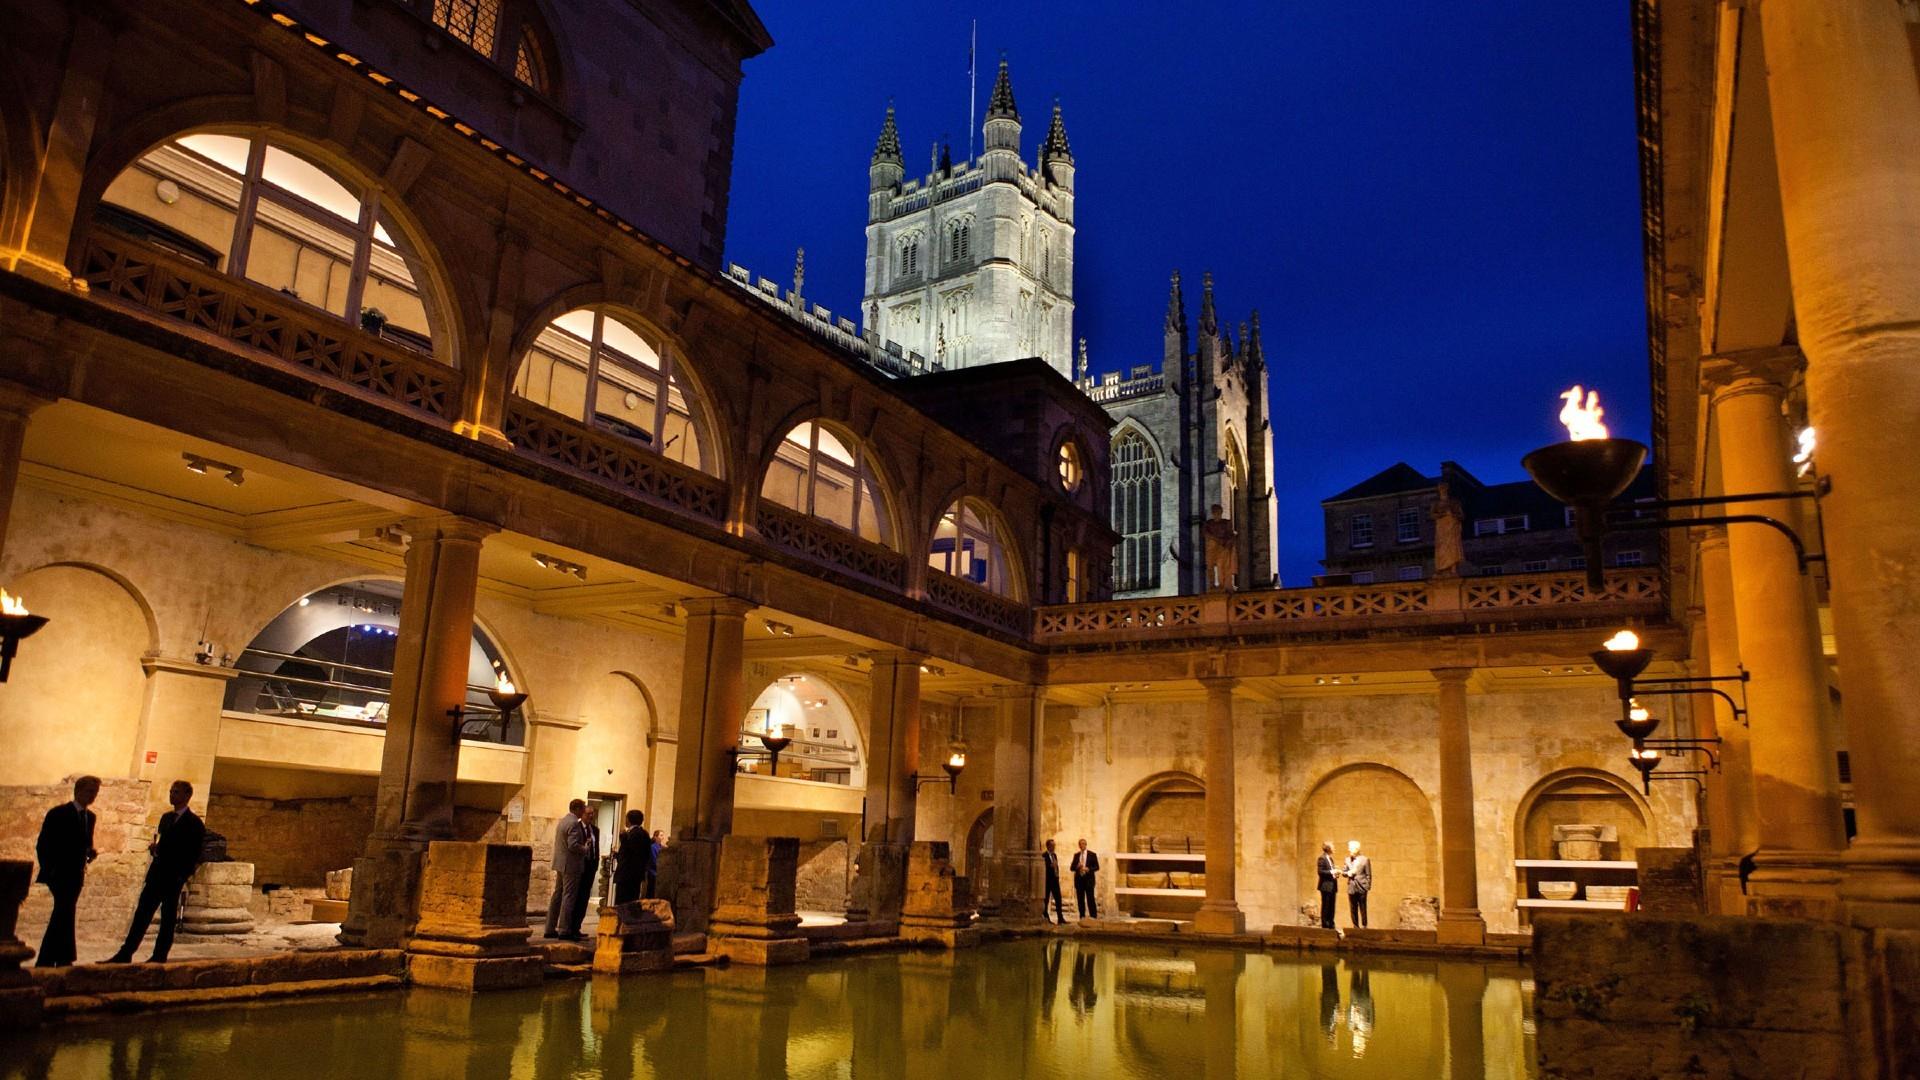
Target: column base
<point x="385" y="902"/>
<point x="638" y="937"/>
<point x="1729" y="896"/>
<point x="1881" y="884"/>
<point x="1019" y="888"/>
<point x="1226" y="918"/>
<point x="879" y="884"/>
<point x="1463" y="927"/>
<point x="689" y="877"/>
<point x="1795" y="885"/>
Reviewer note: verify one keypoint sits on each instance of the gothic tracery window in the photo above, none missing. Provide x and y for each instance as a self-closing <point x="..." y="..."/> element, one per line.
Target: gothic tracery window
<point x="959" y="241"/>
<point x="910" y="255"/>
<point x="594" y="367"/>
<point x="1136" y="513"/>
<point x="508" y="33"/>
<point x="529" y="63"/>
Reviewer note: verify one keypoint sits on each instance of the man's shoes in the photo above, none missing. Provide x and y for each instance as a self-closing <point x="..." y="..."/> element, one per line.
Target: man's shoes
<point x="118" y="958"/>
<point x="156" y="959"/>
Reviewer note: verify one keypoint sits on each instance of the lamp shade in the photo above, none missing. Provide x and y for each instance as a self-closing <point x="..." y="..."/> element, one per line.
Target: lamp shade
<point x="1591" y="472"/>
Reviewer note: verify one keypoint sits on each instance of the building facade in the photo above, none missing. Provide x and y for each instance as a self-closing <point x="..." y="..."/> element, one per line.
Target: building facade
<point x="1382" y="529"/>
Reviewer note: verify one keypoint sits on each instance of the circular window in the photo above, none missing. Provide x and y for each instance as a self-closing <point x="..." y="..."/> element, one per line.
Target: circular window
<point x="1072" y="469"/>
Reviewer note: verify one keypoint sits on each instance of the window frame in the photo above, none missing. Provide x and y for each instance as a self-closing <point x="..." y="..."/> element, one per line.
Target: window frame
<point x="1135" y="480"/>
<point x="1357" y="525"/>
<point x="865" y="481"/>
<point x="1402" y="518"/>
<point x="667" y="376"/>
<point x="975" y="526"/>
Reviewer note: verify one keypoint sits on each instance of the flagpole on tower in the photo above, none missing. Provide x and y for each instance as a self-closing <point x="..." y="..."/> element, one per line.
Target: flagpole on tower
<point x="973" y="91"/>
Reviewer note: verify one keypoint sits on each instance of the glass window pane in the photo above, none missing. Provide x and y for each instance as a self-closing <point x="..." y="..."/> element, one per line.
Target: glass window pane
<point x="301" y="267"/>
<point x="833" y="494"/>
<point x="302" y="178"/>
<point x="834" y="448"/>
<point x="621" y="338"/>
<point x="227" y="151"/>
<point x="786" y="481"/>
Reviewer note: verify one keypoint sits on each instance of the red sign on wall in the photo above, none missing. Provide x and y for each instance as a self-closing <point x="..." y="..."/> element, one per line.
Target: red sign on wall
<point x="153" y="756"/>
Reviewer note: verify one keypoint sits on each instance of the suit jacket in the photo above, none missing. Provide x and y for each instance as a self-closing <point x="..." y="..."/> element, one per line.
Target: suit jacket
<point x="1052" y="861"/>
<point x="65" y="846"/>
<point x="570" y="839"/>
<point x="178" y="851"/>
<point x="1327" y="883"/>
<point x="1086" y="861"/>
<point x="633" y="859"/>
<point x="1359" y="875"/>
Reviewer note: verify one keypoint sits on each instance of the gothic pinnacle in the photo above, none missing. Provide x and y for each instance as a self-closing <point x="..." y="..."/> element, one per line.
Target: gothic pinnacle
<point x="887" y="149"/>
<point x="1255" y="356"/>
<point x="1001" y="107"/>
<point x="1056" y="145"/>
<point x="1176" y="307"/>
<point x="1208" y="325"/>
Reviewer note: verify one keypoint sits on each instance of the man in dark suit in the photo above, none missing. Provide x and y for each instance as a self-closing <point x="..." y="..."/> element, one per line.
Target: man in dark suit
<point x="1329" y="885"/>
<point x="1051" y="862"/>
<point x="64" y="849"/>
<point x="570" y="837"/>
<point x="632" y="860"/>
<point x="590" y="869"/>
<point x="176" y="851"/>
<point x="1085" y="865"/>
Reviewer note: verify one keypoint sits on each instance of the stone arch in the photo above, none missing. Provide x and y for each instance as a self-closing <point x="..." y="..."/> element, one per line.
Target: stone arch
<point x="1392" y="818"/>
<point x="76" y="698"/>
<point x="1584" y="796"/>
<point x="447" y="315"/>
<point x="713" y="420"/>
<point x="1002" y="534"/>
<point x="979" y="853"/>
<point x="1172" y="803"/>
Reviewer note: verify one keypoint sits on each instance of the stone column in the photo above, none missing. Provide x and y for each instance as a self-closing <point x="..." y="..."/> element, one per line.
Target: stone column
<point x="711" y="709"/>
<point x="1460" y="922"/>
<point x="1795" y="774"/>
<point x="420" y="758"/>
<point x="1220" y="913"/>
<point x="893" y="756"/>
<point x="1016" y="807"/>
<point x="17" y="406"/>
<point x="1734" y="824"/>
<point x="472" y="931"/>
<point x="1846" y="122"/>
<point x="754" y="921"/>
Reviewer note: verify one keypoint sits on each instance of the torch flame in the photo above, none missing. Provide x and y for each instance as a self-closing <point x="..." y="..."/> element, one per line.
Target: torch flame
<point x="1583" y="417"/>
<point x="11" y="604"/>
<point x="503" y="684"/>
<point x="1624" y="641"/>
<point x="957" y="759"/>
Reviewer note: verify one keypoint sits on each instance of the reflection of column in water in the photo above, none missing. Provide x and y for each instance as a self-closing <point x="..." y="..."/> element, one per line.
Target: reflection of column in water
<point x="873" y="996"/>
<point x="1465" y="987"/>
<point x="450" y="1034"/>
<point x="629" y="1016"/>
<point x="1219" y="975"/>
<point x="1329" y="1001"/>
<point x="1081" y="992"/>
<point x="1050" y="978"/>
<point x="749" y="1010"/>
<point x="1360" y="1011"/>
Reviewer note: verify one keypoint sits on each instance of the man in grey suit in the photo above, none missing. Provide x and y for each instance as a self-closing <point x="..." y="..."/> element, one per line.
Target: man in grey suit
<point x="1359" y="875"/>
<point x="570" y="840"/>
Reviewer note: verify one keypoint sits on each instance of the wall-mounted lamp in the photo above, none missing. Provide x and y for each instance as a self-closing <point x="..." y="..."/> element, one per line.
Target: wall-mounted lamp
<point x="1591" y="469"/>
<point x="955" y="764"/>
<point x="16" y="625"/>
<point x="775" y="742"/>
<point x="505" y="697"/>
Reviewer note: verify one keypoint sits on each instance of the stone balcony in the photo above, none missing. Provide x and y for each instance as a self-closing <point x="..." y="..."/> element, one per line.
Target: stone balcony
<point x="1439" y="606"/>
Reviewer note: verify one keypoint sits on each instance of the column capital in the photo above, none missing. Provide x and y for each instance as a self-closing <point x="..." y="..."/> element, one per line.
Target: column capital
<point x="1452" y="676"/>
<point x="1751" y="370"/>
<point x="717" y="605"/>
<point x="450" y="526"/>
<point x="1218" y="683"/>
<point x="898" y="656"/>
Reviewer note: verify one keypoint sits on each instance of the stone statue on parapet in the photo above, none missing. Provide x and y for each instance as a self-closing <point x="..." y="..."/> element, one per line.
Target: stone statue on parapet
<point x="1448" y="551"/>
<point x="1223" y="551"/>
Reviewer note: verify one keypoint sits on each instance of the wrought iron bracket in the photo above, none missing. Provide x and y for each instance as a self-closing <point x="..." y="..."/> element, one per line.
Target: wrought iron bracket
<point x="1821" y="486"/>
<point x="1701" y="746"/>
<point x="1695" y="775"/>
<point x="1692" y="685"/>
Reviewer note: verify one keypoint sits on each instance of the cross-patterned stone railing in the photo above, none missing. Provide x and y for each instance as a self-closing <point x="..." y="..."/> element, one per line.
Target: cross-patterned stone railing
<point x="1434" y="604"/>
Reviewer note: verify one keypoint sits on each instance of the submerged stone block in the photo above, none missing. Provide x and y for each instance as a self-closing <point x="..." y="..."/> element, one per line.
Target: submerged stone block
<point x="754" y="922"/>
<point x="472" y="930"/>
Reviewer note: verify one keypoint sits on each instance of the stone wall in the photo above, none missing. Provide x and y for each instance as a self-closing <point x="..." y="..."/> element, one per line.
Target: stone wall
<point x="120" y="835"/>
<point x="292" y="841"/>
<point x="824" y="874"/>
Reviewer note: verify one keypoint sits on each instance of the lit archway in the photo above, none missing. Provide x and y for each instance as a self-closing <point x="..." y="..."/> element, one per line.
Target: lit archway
<point x="825" y="745"/>
<point x="970" y="542"/>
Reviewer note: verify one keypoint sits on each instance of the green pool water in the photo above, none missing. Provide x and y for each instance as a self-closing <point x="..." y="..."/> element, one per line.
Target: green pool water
<point x="1033" y="1008"/>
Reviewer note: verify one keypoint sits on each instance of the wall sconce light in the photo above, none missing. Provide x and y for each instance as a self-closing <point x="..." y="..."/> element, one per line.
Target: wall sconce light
<point x="955" y="764"/>
<point x="1622" y="658"/>
<point x="16" y="625"/>
<point x="1647" y="759"/>
<point x="203" y="465"/>
<point x="775" y="741"/>
<point x="1591" y="469"/>
<point x="505" y="697"/>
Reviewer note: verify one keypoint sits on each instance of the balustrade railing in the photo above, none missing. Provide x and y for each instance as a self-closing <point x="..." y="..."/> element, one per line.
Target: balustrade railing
<point x="122" y="268"/>
<point x="1312" y="610"/>
<point x="552" y="437"/>
<point x="814" y="539"/>
<point x="960" y="595"/>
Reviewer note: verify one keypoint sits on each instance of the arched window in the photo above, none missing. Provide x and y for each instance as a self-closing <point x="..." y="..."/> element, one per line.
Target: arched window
<point x="967" y="545"/>
<point x="824" y="744"/>
<point x="1046" y="259"/>
<point x="330" y="658"/>
<point x="506" y="32"/>
<point x="476" y="22"/>
<point x="1072" y="467"/>
<point x="529" y="61"/>
<point x="910" y="255"/>
<point x="1136" y="513"/>
<point x="959" y="241"/>
<point x="817" y="472"/>
<point x="594" y="367"/>
<point x="249" y="207"/>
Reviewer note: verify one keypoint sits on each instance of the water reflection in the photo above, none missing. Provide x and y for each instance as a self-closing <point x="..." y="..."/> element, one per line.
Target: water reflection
<point x="1131" y="1011"/>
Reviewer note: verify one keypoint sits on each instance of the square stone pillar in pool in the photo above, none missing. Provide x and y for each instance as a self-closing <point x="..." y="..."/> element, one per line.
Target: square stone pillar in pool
<point x="939" y="903"/>
<point x="879" y="887"/>
<point x="635" y="936"/>
<point x="20" y="997"/>
<point x="472" y="932"/>
<point x="754" y="921"/>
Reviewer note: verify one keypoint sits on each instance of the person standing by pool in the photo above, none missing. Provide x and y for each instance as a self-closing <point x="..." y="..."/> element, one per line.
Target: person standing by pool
<point x="176" y="851"/>
<point x="1050" y="861"/>
<point x="589" y="876"/>
<point x="64" y="849"/>
<point x="633" y="860"/>
<point x="1329" y="884"/>
<point x="1359" y="875"/>
<point x="1086" y="864"/>
<point x="659" y="845"/>
<point x="569" y="859"/>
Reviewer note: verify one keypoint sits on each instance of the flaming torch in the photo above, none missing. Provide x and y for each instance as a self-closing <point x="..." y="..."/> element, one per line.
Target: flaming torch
<point x="1586" y="472"/>
<point x="16" y="623"/>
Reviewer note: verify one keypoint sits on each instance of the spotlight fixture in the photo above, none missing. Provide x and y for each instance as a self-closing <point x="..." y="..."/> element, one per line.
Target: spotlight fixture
<point x="203" y="465"/>
<point x="778" y="629"/>
<point x="560" y="566"/>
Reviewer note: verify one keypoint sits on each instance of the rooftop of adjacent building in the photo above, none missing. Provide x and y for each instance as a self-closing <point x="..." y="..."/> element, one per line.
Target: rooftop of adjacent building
<point x="1477" y="499"/>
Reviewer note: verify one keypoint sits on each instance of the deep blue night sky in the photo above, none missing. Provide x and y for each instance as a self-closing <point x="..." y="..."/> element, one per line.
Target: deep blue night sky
<point x="1434" y="207"/>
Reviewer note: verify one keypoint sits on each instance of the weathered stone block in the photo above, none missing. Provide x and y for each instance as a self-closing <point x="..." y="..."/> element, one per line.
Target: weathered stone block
<point x="1418" y="913"/>
<point x="19" y="998"/>
<point x="879" y="884"/>
<point x="635" y="936"/>
<point x="755" y="922"/>
<point x="938" y="908"/>
<point x="471" y="973"/>
<point x="340" y="884"/>
<point x="1670" y="881"/>
<point x="472" y="928"/>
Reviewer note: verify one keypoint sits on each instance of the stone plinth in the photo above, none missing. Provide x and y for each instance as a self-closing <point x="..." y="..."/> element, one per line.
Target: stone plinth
<point x="688" y="878"/>
<point x="939" y="903"/>
<point x="1417" y="913"/>
<point x="472" y="931"/>
<point x="634" y="936"/>
<point x="754" y="921"/>
<point x="1670" y="881"/>
<point x="340" y="884"/>
<point x="217" y="899"/>
<point x="879" y="886"/>
<point x="19" y="997"/>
